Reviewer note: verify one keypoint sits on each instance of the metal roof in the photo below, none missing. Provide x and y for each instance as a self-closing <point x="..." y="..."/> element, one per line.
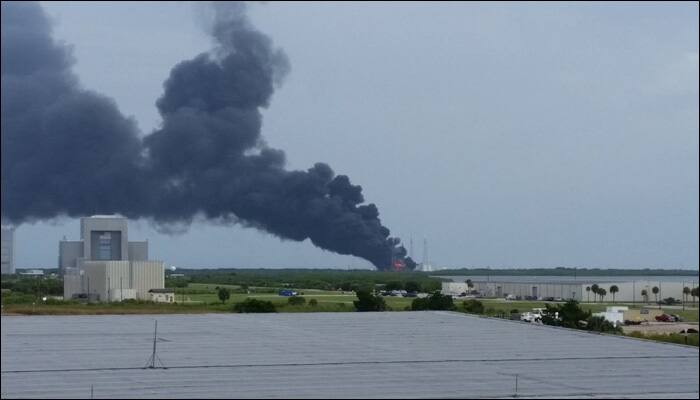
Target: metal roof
<point x="331" y="355"/>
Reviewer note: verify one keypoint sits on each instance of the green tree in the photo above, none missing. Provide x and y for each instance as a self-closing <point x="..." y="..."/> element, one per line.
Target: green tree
<point x="588" y="293"/>
<point x="655" y="290"/>
<point x="394" y="285"/>
<point x="473" y="306"/>
<point x="594" y="289"/>
<point x="313" y="302"/>
<point x="602" y="292"/>
<point x="694" y="294"/>
<point x="568" y="315"/>
<point x="645" y="295"/>
<point x="368" y="302"/>
<point x="296" y="301"/>
<point x="470" y="285"/>
<point x="412" y="286"/>
<point x="600" y="324"/>
<point x="686" y="292"/>
<point x="254" y="306"/>
<point x="435" y="301"/>
<point x="614" y="289"/>
<point x="224" y="294"/>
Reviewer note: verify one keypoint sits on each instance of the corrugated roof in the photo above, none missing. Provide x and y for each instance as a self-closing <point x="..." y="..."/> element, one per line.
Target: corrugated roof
<point x="331" y="355"/>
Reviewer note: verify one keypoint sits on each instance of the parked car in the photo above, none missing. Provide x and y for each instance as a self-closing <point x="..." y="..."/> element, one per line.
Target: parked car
<point x="665" y="318"/>
<point x="534" y="316"/>
<point x="510" y="297"/>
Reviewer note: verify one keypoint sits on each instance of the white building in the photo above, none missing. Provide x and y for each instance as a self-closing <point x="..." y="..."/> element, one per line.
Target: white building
<point x="616" y="315"/>
<point x="105" y="266"/>
<point x="162" y="295"/>
<point x="628" y="291"/>
<point x="7" y="249"/>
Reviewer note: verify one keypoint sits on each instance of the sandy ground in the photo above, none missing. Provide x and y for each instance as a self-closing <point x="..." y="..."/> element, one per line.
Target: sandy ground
<point x="660" y="327"/>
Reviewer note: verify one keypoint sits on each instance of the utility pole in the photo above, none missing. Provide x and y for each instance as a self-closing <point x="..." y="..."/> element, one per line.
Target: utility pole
<point x="151" y="363"/>
<point x="425" y="251"/>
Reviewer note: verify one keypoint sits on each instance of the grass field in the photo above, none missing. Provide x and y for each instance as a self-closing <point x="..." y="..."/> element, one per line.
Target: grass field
<point x="202" y="298"/>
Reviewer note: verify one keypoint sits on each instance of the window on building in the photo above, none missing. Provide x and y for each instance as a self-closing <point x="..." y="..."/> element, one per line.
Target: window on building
<point x="104" y="249"/>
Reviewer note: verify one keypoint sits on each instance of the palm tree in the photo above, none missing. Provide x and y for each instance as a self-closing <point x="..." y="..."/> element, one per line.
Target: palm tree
<point x="602" y="292"/>
<point x="588" y="292"/>
<point x="644" y="295"/>
<point x="470" y="285"/>
<point x="694" y="294"/>
<point x="655" y="290"/>
<point x="686" y="292"/>
<point x="614" y="289"/>
<point x="594" y="289"/>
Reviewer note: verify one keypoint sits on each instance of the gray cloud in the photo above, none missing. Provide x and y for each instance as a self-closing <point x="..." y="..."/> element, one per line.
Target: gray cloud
<point x="68" y="151"/>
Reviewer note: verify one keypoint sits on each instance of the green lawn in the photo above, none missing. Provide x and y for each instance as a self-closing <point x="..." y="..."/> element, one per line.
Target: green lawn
<point x="201" y="297"/>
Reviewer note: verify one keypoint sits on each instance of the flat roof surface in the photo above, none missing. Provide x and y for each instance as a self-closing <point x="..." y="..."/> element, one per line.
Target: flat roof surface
<point x="331" y="355"/>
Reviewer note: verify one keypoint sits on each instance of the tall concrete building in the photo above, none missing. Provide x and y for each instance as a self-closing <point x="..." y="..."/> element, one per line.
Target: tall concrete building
<point x="104" y="265"/>
<point x="102" y="238"/>
<point x="7" y="255"/>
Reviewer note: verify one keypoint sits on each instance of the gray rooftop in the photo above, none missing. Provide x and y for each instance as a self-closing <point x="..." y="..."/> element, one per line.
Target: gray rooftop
<point x="331" y="355"/>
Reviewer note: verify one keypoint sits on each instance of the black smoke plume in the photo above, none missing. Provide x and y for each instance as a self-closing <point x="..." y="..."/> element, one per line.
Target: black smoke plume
<point x="70" y="151"/>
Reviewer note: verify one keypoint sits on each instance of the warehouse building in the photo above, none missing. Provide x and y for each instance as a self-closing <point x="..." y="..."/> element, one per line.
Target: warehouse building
<point x="628" y="291"/>
<point x="421" y="354"/>
<point x="7" y="249"/>
<point x="105" y="266"/>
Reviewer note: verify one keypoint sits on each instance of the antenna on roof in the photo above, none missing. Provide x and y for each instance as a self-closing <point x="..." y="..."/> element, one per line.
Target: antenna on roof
<point x="151" y="363"/>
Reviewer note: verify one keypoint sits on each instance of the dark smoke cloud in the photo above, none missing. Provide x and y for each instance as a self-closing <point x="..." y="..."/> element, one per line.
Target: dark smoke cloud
<point x="69" y="151"/>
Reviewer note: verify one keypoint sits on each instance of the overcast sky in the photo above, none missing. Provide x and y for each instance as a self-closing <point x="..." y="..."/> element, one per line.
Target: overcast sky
<point x="508" y="135"/>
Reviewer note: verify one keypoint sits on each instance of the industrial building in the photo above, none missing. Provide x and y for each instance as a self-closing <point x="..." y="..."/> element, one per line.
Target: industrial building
<point x="628" y="291"/>
<point x="619" y="314"/>
<point x="7" y="249"/>
<point x="422" y="354"/>
<point x="105" y="266"/>
<point x="162" y="295"/>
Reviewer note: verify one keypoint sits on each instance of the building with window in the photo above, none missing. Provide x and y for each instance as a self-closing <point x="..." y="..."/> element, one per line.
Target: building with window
<point x="162" y="295"/>
<point x="541" y="288"/>
<point x="7" y="255"/>
<point x="102" y="238"/>
<point x="104" y="265"/>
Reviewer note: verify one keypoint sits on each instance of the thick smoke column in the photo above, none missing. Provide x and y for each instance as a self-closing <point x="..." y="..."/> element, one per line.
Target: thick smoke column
<point x="68" y="151"/>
